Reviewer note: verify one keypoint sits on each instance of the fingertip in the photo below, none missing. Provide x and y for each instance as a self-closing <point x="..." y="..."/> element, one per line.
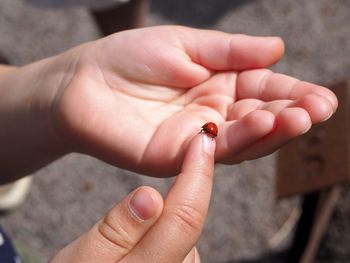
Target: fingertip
<point x="199" y="158"/>
<point x="204" y="141"/>
<point x="279" y="45"/>
<point x="318" y="107"/>
<point x="208" y="144"/>
<point x="331" y="97"/>
<point x="294" y="121"/>
<point x="273" y="51"/>
<point x="145" y="203"/>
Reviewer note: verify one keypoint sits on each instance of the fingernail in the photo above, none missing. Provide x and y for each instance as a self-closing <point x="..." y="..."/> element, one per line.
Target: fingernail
<point x="141" y="205"/>
<point x="208" y="144"/>
<point x="330" y="115"/>
<point x="306" y="130"/>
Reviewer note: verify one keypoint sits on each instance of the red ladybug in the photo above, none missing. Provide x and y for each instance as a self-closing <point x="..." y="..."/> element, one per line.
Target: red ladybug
<point x="210" y="129"/>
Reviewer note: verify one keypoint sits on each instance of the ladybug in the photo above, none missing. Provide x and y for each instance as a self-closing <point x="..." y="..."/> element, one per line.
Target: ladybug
<point x="210" y="129"/>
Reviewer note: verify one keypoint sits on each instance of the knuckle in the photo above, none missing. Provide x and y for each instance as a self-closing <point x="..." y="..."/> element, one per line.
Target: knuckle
<point x="113" y="230"/>
<point x="204" y="170"/>
<point x="189" y="217"/>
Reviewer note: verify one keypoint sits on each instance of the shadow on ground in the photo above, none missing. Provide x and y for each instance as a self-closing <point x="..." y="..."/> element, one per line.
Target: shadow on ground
<point x="197" y="13"/>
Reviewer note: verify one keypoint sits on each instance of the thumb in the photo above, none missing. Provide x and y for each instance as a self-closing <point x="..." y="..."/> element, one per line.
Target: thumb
<point x="115" y="235"/>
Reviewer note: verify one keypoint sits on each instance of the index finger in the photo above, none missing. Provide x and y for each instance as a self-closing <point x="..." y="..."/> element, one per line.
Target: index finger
<point x="185" y="210"/>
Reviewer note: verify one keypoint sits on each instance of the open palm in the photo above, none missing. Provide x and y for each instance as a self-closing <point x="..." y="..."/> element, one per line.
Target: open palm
<point x="136" y="98"/>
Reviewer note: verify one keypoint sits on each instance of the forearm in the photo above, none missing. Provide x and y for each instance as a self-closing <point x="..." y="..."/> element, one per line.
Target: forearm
<point x="28" y="139"/>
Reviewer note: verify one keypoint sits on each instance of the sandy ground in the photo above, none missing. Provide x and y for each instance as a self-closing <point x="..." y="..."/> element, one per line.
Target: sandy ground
<point x="71" y="194"/>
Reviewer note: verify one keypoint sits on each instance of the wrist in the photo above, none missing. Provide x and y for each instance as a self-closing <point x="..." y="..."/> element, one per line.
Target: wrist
<point x="28" y="137"/>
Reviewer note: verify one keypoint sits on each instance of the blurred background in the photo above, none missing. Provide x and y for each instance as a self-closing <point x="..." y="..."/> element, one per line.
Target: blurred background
<point x="246" y="222"/>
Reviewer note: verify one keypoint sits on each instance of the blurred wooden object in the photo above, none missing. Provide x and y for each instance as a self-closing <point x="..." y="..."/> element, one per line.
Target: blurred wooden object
<point x="324" y="209"/>
<point x="320" y="158"/>
<point x="313" y="166"/>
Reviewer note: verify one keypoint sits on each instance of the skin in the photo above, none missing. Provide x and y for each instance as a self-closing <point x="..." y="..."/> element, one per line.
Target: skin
<point x="114" y="90"/>
<point x="177" y="221"/>
<point x="137" y="98"/>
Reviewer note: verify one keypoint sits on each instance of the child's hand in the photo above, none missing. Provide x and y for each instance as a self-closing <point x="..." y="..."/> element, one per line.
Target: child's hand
<point x="136" y="98"/>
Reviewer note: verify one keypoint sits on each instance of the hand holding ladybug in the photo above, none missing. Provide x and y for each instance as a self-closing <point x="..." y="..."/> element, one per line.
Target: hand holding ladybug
<point x="136" y="98"/>
<point x="158" y="101"/>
